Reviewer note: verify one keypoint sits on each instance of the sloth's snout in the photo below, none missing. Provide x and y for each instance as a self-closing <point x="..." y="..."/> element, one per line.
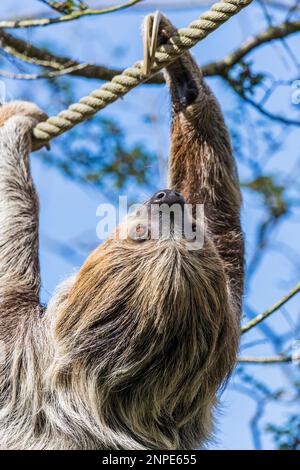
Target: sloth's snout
<point x="167" y="196"/>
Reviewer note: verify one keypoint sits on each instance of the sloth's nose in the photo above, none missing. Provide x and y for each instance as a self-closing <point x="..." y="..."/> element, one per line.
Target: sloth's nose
<point x="167" y="196"/>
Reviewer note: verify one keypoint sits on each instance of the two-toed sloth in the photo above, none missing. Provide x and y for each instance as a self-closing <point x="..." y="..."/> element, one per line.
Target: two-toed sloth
<point x="132" y="350"/>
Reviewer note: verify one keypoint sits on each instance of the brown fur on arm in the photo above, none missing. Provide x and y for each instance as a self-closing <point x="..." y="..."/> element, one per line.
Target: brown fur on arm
<point x="201" y="165"/>
<point x="19" y="266"/>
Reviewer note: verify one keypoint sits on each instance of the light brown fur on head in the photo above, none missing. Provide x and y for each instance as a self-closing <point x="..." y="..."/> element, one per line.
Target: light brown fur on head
<point x="150" y="324"/>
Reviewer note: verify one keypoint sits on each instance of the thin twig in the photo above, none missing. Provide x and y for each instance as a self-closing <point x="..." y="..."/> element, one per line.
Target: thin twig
<point x="35" y="76"/>
<point x="270" y="34"/>
<point x="259" y="318"/>
<point x="75" y="15"/>
<point x="188" y="5"/>
<point x="258" y="106"/>
<point x="265" y="360"/>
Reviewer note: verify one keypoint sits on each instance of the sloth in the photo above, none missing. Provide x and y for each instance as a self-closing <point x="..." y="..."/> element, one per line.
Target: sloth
<point x="133" y="351"/>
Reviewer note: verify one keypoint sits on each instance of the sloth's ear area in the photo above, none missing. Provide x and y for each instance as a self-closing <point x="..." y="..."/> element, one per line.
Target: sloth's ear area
<point x="28" y="116"/>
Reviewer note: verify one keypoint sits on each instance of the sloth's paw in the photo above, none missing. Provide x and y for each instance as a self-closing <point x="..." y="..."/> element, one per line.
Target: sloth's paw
<point x="182" y="75"/>
<point x="165" y="29"/>
<point x="21" y="108"/>
<point x="26" y="113"/>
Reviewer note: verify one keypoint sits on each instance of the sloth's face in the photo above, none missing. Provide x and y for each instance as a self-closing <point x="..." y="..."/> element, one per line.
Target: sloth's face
<point x="164" y="217"/>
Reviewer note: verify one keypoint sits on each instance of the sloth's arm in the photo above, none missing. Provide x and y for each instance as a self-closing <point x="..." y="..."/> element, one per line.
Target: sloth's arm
<point x="202" y="167"/>
<point x="19" y="265"/>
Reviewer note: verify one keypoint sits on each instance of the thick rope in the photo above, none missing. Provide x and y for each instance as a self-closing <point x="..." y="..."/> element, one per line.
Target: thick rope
<point x="133" y="76"/>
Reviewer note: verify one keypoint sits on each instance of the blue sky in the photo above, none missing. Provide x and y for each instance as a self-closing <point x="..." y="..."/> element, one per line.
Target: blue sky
<point x="68" y="210"/>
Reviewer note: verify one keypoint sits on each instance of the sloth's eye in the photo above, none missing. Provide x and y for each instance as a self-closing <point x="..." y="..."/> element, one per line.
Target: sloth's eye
<point x="141" y="230"/>
<point x="138" y="233"/>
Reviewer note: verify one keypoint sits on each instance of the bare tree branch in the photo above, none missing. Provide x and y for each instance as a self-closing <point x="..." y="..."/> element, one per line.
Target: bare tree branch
<point x="259" y="318"/>
<point x="259" y="107"/>
<point x="265" y="360"/>
<point x="75" y="15"/>
<point x="35" y="76"/>
<point x="272" y="33"/>
<point x="177" y="6"/>
<point x="37" y="56"/>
